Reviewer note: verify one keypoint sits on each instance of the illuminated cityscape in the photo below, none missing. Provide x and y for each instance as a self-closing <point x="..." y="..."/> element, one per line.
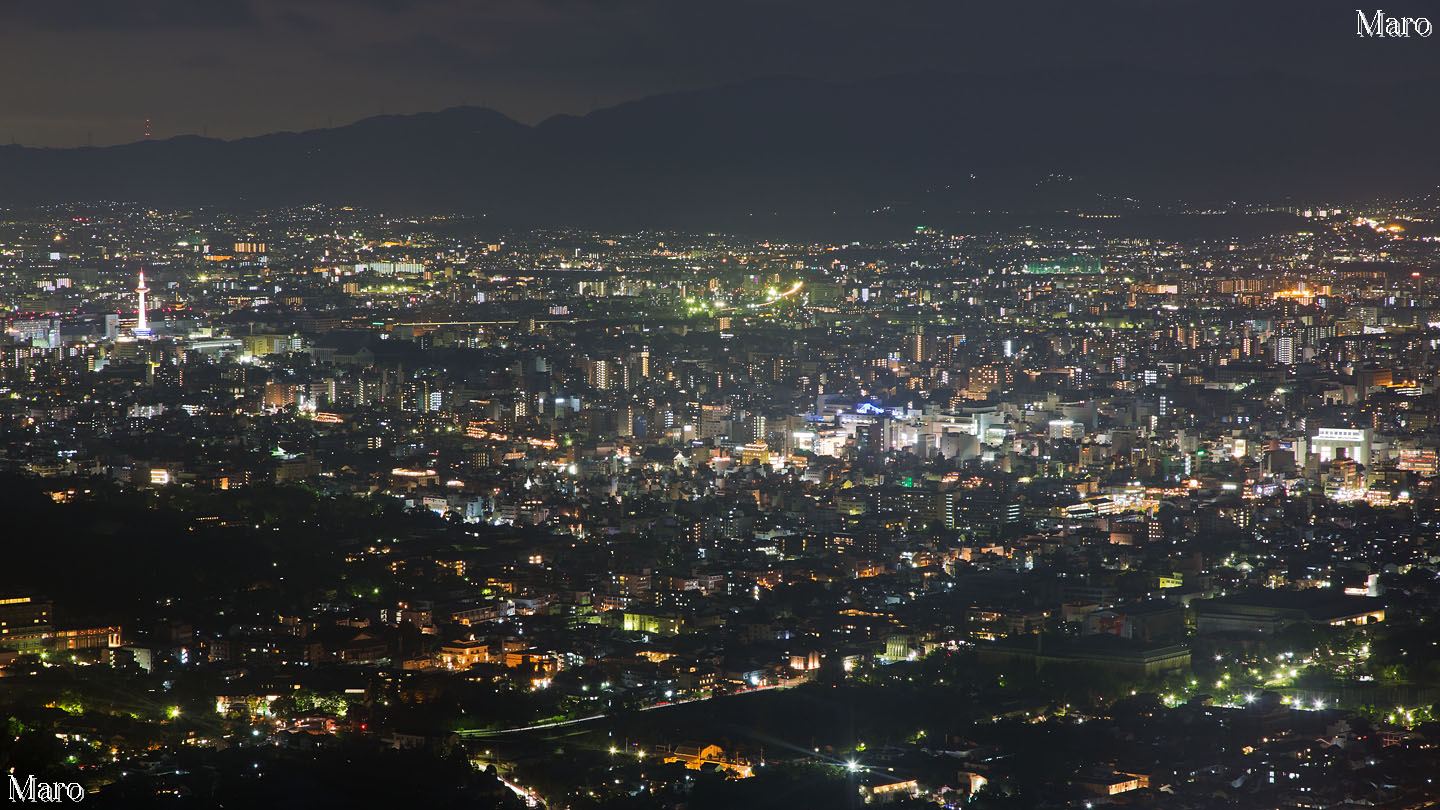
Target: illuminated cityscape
<point x="369" y="482"/>
<point x="697" y="406"/>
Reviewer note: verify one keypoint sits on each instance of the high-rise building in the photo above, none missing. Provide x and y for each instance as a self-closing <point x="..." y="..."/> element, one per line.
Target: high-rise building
<point x="601" y="374"/>
<point x="916" y="345"/>
<point x="712" y="421"/>
<point x="1285" y="350"/>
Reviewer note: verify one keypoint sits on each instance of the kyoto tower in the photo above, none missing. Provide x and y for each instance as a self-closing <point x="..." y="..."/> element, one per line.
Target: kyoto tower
<point x="142" y="327"/>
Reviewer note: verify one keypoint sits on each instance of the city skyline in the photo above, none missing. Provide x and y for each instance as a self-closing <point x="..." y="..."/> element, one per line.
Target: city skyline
<point x="769" y="404"/>
<point x="613" y="490"/>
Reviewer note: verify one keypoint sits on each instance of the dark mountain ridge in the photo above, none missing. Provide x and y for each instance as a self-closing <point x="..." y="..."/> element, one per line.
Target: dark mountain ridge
<point x="932" y="144"/>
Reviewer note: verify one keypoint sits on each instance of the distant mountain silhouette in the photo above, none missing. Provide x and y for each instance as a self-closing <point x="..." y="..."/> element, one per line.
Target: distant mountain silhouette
<point x="800" y="148"/>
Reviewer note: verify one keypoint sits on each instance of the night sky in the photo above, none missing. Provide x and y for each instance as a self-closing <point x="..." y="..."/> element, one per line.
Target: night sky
<point x="92" y="71"/>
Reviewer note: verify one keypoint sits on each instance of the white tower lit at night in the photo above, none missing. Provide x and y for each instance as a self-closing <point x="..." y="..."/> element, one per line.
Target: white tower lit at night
<point x="142" y="327"/>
